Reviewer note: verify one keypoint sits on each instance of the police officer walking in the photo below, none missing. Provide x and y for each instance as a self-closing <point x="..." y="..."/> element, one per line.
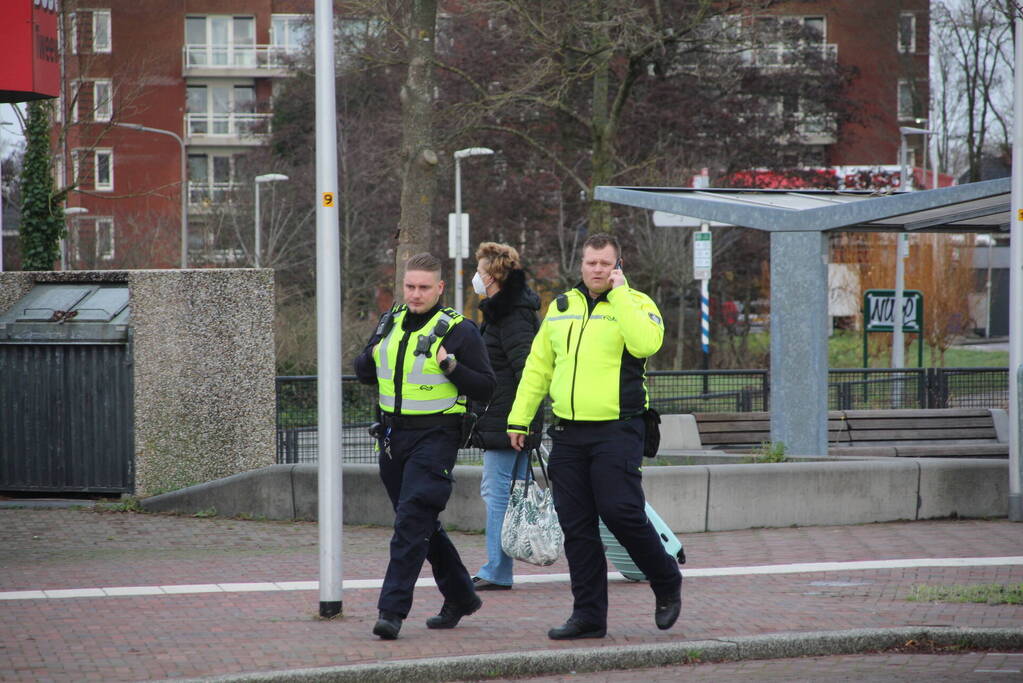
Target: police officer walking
<point x="590" y="356"/>
<point x="425" y="360"/>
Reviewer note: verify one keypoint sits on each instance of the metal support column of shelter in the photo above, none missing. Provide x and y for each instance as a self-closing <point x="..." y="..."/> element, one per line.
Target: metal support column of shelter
<point x="1016" y="288"/>
<point x="799" y="342"/>
<point x="328" y="317"/>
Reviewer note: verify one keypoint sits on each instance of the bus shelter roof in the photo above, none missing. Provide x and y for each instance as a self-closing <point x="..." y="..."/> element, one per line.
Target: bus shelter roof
<point x="974" y="207"/>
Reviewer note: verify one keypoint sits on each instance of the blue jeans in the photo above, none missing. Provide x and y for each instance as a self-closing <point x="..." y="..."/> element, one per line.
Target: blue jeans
<point x="495" y="486"/>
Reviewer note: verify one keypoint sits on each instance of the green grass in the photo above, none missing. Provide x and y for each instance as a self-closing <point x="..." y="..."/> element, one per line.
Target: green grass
<point x="768" y="452"/>
<point x="984" y="593"/>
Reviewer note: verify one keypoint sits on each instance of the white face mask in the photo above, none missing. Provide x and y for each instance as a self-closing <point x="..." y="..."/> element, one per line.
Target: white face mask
<point x="477" y="284"/>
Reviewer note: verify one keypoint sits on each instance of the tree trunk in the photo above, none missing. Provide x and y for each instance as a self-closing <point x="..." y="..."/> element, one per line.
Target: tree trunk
<point x="418" y="157"/>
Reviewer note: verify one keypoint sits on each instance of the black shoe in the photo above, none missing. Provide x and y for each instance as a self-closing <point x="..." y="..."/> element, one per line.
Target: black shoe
<point x="482" y="584"/>
<point x="387" y="626"/>
<point x="451" y="613"/>
<point x="573" y="630"/>
<point x="667" y="610"/>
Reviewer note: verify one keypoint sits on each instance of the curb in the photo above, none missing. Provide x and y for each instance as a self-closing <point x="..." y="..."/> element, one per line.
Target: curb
<point x="585" y="660"/>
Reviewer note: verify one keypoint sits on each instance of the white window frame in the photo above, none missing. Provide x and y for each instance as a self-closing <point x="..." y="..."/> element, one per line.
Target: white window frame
<point x="107" y="111"/>
<point x="275" y="40"/>
<point x="73" y="23"/>
<point x="109" y="185"/>
<point x="59" y="171"/>
<point x="104" y="15"/>
<point x="76" y="91"/>
<point x="105" y="223"/>
<point x="76" y="165"/>
<point x="907" y="49"/>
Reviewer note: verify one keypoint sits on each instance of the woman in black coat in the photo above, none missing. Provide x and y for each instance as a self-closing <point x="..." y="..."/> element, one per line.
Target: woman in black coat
<point x="509" y="325"/>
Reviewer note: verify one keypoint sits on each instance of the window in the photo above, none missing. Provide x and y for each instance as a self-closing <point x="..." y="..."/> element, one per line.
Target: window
<point x="102" y="100"/>
<point x="105" y="238"/>
<point x="76" y="166"/>
<point x="73" y="33"/>
<point x="210" y="178"/>
<point x="289" y="33"/>
<point x="101" y="30"/>
<point x="905" y="104"/>
<point x="58" y="171"/>
<point x="103" y="173"/>
<point x="220" y="109"/>
<point x="76" y="89"/>
<point x="907" y="32"/>
<point x="218" y="40"/>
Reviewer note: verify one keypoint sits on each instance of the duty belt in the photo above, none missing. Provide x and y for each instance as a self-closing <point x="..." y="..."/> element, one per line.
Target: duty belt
<point x="421" y="421"/>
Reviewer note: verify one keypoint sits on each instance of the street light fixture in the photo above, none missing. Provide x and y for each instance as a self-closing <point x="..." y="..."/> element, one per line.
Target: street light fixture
<point x="901" y="249"/>
<point x="184" y="182"/>
<point x="69" y="211"/>
<point x="265" y="178"/>
<point x="459" y="155"/>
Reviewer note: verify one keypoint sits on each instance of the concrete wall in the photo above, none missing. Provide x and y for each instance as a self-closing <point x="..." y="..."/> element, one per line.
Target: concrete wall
<point x="690" y="499"/>
<point x="203" y="368"/>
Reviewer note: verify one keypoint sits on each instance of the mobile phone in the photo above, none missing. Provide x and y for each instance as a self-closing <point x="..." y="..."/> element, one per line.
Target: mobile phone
<point x="618" y="264"/>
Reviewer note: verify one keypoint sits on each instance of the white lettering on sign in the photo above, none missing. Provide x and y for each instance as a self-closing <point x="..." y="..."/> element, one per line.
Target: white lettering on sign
<point x="49" y="5"/>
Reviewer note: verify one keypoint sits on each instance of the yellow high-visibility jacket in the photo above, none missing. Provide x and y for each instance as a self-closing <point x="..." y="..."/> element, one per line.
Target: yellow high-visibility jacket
<point x="591" y="362"/>
<point x="415" y="379"/>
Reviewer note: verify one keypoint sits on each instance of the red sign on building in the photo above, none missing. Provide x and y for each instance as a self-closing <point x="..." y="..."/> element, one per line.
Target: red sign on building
<point x="30" y="68"/>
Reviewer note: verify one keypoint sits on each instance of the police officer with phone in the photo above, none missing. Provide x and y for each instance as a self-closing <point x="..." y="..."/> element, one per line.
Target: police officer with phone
<point x="590" y="356"/>
<point x="426" y="361"/>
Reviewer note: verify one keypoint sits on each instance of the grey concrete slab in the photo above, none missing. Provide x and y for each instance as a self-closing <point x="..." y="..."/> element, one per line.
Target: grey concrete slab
<point x="950" y="487"/>
<point x="806" y="494"/>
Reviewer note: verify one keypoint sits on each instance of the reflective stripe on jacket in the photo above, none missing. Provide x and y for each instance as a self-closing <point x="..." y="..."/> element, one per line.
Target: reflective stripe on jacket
<point x="593" y="364"/>
<point x="421" y="388"/>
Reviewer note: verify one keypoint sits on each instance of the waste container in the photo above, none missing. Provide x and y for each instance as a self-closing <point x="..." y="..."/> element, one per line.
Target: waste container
<point x="66" y="413"/>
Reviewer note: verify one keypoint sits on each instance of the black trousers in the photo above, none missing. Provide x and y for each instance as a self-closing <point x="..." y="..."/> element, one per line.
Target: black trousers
<point x="417" y="476"/>
<point x="595" y="471"/>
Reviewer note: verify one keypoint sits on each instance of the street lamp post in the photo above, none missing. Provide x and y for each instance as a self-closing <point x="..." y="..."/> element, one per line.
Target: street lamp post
<point x="184" y="183"/>
<point x="265" y="178"/>
<point x="901" y="249"/>
<point x="459" y="155"/>
<point x="69" y="211"/>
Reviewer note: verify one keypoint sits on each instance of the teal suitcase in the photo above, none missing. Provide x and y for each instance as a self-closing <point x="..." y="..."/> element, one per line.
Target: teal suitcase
<point x="620" y="558"/>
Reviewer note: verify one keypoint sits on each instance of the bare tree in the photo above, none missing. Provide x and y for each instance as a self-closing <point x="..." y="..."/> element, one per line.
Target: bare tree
<point x="974" y="47"/>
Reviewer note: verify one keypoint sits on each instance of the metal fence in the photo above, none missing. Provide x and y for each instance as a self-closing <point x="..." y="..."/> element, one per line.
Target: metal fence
<point x="690" y="391"/>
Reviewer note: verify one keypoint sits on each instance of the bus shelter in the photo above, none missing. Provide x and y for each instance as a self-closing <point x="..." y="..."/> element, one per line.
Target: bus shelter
<point x="798" y="222"/>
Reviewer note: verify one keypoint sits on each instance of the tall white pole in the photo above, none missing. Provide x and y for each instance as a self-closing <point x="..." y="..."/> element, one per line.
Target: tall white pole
<point x="459" y="294"/>
<point x="328" y="316"/>
<point x="898" y="352"/>
<point x="184" y="201"/>
<point x="1016" y="285"/>
<point x="255" y="261"/>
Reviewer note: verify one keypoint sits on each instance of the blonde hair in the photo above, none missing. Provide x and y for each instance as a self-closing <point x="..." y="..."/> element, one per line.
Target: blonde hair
<point x="500" y="259"/>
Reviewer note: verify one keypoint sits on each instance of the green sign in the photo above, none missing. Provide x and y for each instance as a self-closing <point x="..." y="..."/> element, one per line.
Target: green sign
<point x="879" y="310"/>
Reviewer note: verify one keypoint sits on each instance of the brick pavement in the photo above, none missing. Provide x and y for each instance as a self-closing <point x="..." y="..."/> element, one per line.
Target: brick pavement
<point x="146" y="637"/>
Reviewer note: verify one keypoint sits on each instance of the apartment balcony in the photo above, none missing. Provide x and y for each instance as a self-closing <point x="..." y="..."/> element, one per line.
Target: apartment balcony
<point x="236" y="129"/>
<point x="247" y="61"/>
<point x="205" y="196"/>
<point x="787" y="55"/>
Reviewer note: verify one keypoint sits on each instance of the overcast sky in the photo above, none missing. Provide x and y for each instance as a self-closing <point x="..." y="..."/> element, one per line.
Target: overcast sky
<point x="9" y="135"/>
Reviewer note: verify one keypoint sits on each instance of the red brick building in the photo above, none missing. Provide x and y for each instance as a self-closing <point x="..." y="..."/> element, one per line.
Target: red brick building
<point x="201" y="70"/>
<point x="204" y="71"/>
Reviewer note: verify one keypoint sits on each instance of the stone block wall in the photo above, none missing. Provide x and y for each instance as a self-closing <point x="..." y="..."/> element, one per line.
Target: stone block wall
<point x="204" y="368"/>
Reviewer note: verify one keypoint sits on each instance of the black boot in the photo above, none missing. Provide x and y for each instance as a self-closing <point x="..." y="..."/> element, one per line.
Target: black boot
<point x="667" y="610"/>
<point x="451" y="613"/>
<point x="574" y="630"/>
<point x="387" y="626"/>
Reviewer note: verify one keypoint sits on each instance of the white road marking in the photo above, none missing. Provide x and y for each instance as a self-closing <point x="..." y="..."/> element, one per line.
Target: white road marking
<point x="358" y="584"/>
